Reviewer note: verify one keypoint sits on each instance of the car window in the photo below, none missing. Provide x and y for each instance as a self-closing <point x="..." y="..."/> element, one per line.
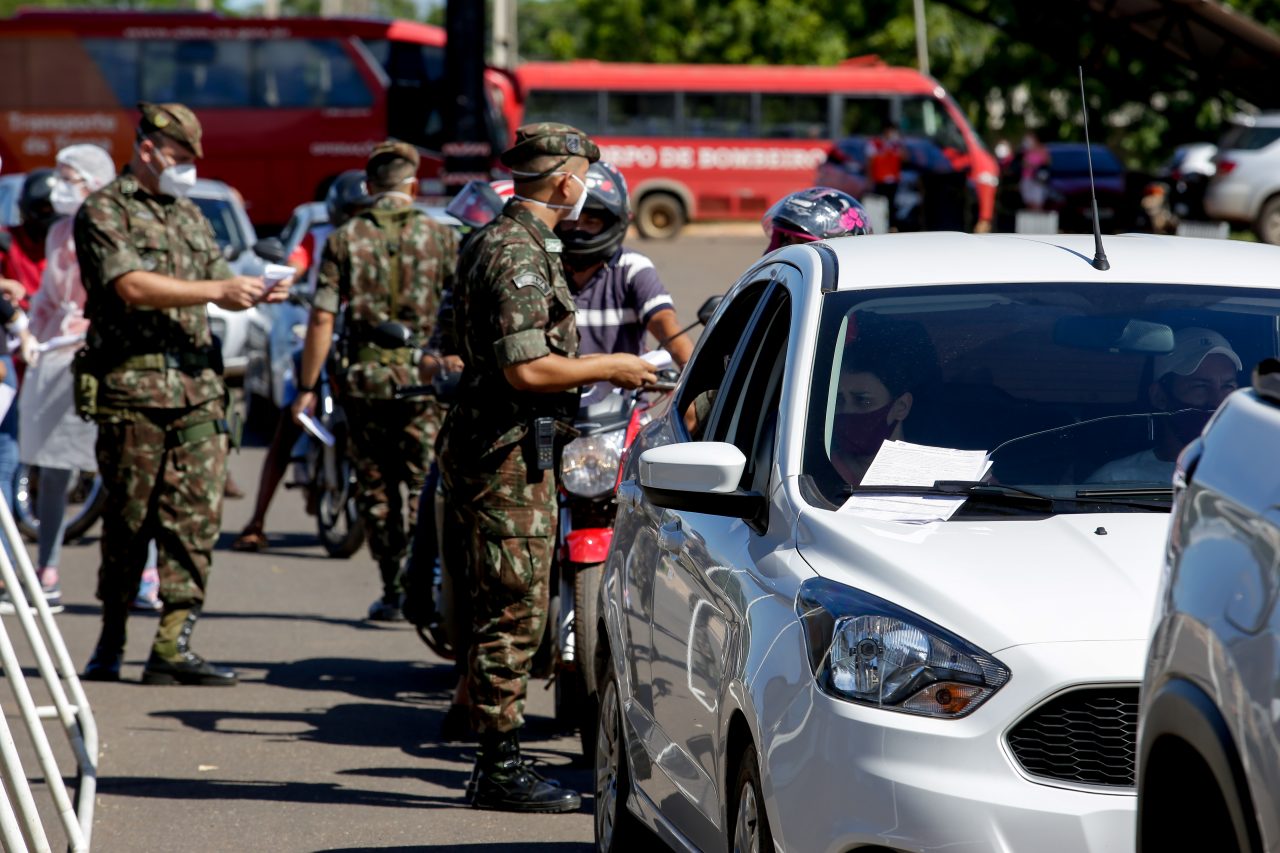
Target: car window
<point x="223" y="219"/>
<point x="1244" y="138"/>
<point x="747" y="410"/>
<point x="711" y="360"/>
<point x="1069" y="387"/>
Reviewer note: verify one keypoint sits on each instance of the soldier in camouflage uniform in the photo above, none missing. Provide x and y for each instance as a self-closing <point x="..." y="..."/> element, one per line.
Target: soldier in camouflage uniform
<point x="514" y="319"/>
<point x="389" y="266"/>
<point x="150" y="376"/>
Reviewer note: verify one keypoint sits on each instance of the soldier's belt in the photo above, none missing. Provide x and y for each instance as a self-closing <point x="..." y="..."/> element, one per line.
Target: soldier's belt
<point x="184" y="361"/>
<point x="377" y="355"/>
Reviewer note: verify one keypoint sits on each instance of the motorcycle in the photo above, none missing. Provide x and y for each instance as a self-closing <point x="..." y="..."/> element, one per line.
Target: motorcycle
<point x="85" y="500"/>
<point x="590" y="470"/>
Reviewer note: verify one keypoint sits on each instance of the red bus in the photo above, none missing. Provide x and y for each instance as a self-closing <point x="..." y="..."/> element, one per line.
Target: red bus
<point x="726" y="141"/>
<point x="286" y="103"/>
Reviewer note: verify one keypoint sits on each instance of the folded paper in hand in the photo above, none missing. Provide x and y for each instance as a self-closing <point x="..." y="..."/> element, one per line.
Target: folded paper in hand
<point x="316" y="429"/>
<point x="273" y="274"/>
<point x="900" y="463"/>
<point x="658" y="359"/>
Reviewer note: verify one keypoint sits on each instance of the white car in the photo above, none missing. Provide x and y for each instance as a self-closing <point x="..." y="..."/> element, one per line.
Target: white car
<point x="791" y="657"/>
<point x="1246" y="187"/>
<point x="222" y="205"/>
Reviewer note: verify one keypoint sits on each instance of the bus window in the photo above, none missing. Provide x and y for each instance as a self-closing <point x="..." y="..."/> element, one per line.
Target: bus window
<point x="923" y="116"/>
<point x="580" y="109"/>
<point x="117" y="61"/>
<point x="794" y="117"/>
<point x="196" y="72"/>
<point x="415" y="108"/>
<point x="717" y="114"/>
<point x="863" y="116"/>
<point x="307" y="73"/>
<point x="641" y="113"/>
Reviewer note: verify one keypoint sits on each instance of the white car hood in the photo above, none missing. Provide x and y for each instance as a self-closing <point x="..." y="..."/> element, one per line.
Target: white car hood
<point x="1002" y="583"/>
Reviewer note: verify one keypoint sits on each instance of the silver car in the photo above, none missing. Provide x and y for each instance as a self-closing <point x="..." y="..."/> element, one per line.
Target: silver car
<point x="1246" y="187"/>
<point x="1209" y="741"/>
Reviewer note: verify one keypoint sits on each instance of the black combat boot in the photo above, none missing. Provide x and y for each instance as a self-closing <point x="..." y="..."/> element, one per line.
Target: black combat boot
<point x="173" y="662"/>
<point x="107" y="655"/>
<point x="502" y="782"/>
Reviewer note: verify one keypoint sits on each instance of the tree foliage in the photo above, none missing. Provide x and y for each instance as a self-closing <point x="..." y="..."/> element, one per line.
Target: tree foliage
<point x="1137" y="103"/>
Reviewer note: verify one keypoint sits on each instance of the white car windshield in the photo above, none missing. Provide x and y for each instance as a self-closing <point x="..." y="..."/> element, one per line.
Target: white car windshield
<point x="1083" y="394"/>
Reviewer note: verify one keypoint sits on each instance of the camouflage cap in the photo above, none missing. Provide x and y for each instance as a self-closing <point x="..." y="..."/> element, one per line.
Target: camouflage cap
<point x="552" y="139"/>
<point x="175" y="121"/>
<point x="391" y="162"/>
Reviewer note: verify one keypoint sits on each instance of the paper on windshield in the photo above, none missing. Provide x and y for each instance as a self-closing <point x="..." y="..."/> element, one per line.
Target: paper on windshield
<point x="900" y="463"/>
<point x="316" y="429"/>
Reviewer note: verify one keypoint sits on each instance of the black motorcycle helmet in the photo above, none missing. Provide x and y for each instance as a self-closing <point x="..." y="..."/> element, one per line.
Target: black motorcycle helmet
<point x="346" y="197"/>
<point x="815" y="213"/>
<point x="34" y="203"/>
<point x="608" y="200"/>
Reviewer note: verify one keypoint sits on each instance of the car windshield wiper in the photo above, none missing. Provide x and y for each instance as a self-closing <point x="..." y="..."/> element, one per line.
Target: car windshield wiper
<point x="970" y="489"/>
<point x="1122" y="492"/>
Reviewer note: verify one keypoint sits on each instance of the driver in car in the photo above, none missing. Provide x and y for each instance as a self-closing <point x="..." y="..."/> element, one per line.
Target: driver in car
<point x="1191" y="382"/>
<point x="884" y="362"/>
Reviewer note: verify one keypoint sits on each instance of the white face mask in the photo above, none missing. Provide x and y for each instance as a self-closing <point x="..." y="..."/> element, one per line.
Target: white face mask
<point x="65" y="197"/>
<point x="575" y="209"/>
<point x="177" y="180"/>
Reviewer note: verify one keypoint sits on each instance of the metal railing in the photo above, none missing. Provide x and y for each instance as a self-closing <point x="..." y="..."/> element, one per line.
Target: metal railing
<point x="21" y="827"/>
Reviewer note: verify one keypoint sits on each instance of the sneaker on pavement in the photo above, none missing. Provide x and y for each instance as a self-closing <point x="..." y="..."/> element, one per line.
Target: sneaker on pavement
<point x="384" y="611"/>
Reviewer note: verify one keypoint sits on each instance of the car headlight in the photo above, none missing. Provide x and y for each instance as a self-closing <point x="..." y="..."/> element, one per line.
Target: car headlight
<point x="866" y="650"/>
<point x="589" y="465"/>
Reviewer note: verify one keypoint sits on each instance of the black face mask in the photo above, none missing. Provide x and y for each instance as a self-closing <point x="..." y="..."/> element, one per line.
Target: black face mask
<point x="1187" y="424"/>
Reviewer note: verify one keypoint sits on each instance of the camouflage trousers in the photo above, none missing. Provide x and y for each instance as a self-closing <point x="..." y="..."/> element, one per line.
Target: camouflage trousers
<point x="505" y="517"/>
<point x="160" y="489"/>
<point x="392" y="443"/>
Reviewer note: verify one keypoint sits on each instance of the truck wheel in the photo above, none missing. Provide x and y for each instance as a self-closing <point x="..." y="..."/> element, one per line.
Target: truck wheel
<point x="660" y="216"/>
<point x="1267" y="226"/>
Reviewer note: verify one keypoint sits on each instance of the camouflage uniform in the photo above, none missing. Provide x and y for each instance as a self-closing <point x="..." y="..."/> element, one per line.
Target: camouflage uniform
<point x="512" y="305"/>
<point x="162" y="443"/>
<point x="391" y="441"/>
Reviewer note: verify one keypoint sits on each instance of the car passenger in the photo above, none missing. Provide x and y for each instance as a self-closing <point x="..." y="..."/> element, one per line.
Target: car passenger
<point x="1191" y="382"/>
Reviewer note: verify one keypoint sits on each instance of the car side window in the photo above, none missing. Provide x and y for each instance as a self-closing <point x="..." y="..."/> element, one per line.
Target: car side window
<point x="747" y="414"/>
<point x="706" y="372"/>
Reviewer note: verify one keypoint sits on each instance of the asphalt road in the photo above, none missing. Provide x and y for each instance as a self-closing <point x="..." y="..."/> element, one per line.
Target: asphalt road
<point x="329" y="743"/>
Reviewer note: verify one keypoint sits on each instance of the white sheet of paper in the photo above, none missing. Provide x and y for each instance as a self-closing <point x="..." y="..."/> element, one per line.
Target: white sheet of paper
<point x="7" y="393"/>
<point x="273" y="274"/>
<point x="658" y="359"/>
<point x="900" y="463"/>
<point x="316" y="429"/>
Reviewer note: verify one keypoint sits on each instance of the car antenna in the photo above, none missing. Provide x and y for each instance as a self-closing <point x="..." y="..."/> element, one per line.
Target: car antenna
<point x="1100" y="261"/>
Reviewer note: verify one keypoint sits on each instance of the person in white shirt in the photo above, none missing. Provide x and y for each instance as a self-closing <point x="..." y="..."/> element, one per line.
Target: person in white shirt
<point x="1191" y="382"/>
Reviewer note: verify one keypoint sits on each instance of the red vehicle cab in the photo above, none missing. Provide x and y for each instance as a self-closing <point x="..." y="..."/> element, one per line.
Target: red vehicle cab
<point x="726" y="142"/>
<point x="286" y="103"/>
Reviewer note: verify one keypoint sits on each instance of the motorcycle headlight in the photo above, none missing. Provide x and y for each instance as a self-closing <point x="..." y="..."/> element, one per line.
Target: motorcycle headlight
<point x="866" y="650"/>
<point x="589" y="465"/>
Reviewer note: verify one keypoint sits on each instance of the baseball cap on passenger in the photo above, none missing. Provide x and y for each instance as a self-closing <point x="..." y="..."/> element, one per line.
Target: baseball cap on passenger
<point x="1191" y="346"/>
<point x="549" y="139"/>
<point x="390" y="163"/>
<point x="175" y="121"/>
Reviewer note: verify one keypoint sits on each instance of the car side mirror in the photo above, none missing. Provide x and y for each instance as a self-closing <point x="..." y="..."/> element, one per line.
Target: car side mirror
<point x="231" y="251"/>
<point x="698" y="476"/>
<point x="708" y="309"/>
<point x="270" y="249"/>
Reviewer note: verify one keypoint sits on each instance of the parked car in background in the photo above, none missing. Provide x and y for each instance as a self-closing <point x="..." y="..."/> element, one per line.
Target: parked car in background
<point x="1245" y="190"/>
<point x="223" y="206"/>
<point x="932" y="194"/>
<point x="1068" y="191"/>
<point x="1209" y="743"/>
<point x="794" y="656"/>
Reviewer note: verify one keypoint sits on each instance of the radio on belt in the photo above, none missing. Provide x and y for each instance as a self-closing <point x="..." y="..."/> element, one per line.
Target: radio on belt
<point x="544" y="436"/>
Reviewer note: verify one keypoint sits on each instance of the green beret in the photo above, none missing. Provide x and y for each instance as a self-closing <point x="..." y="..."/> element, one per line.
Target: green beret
<point x="174" y="121"/>
<point x="552" y="139"/>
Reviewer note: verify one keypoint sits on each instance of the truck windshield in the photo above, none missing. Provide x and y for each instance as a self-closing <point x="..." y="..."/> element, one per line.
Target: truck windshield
<point x="1082" y="393"/>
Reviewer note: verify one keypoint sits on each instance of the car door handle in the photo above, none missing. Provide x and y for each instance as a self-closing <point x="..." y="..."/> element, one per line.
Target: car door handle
<point x="671" y="537"/>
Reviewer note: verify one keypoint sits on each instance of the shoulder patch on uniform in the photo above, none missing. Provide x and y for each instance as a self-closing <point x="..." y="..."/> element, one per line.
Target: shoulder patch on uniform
<point x="532" y="279"/>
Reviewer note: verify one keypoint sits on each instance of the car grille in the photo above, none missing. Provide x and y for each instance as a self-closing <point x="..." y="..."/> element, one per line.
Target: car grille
<point x="1088" y="737"/>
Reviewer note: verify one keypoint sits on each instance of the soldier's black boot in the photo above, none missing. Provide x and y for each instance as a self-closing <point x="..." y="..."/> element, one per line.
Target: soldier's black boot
<point x="505" y="783"/>
<point x="173" y="662"/>
<point x="104" y="665"/>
